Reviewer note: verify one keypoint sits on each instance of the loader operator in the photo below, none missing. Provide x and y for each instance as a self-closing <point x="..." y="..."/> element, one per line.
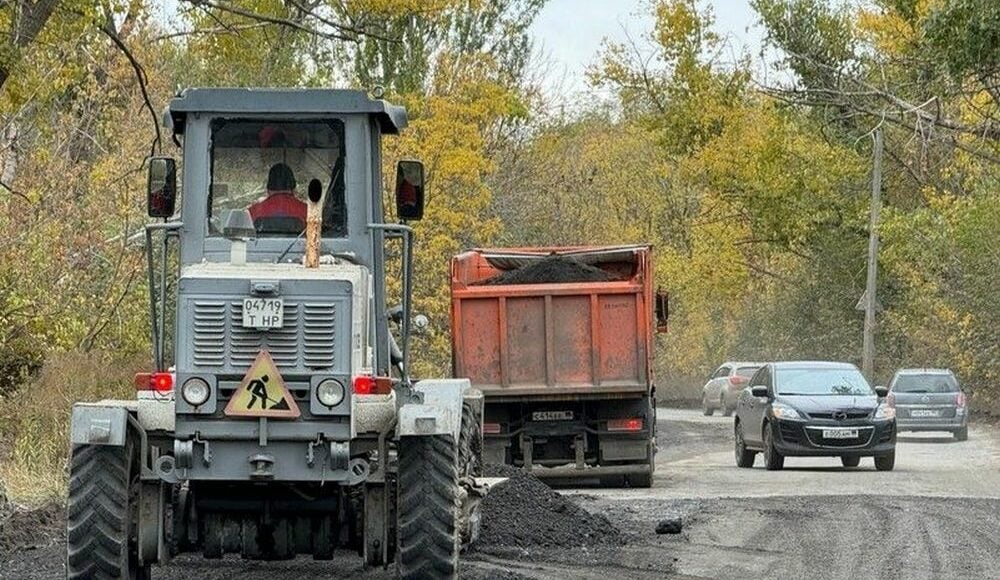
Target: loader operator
<point x="280" y="212"/>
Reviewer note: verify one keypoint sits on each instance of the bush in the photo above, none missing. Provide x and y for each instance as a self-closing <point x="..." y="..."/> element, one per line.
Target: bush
<point x="34" y="419"/>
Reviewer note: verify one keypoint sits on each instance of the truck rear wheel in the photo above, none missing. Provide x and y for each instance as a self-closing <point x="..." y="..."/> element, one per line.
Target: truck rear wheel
<point x="102" y="512"/>
<point x="427" y="507"/>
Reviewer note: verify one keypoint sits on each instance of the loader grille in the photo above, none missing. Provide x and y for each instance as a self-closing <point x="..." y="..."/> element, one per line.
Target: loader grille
<point x="306" y="340"/>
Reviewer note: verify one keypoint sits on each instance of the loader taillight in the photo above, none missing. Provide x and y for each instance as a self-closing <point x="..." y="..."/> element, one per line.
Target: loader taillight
<point x="633" y="424"/>
<point x="159" y="382"/>
<point x="369" y="385"/>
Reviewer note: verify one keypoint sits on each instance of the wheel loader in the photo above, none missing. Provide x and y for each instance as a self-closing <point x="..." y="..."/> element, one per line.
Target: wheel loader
<point x="280" y="418"/>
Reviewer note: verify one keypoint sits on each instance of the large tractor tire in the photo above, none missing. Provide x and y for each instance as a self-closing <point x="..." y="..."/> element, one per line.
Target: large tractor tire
<point x="470" y="448"/>
<point x="102" y="512"/>
<point x="427" y="508"/>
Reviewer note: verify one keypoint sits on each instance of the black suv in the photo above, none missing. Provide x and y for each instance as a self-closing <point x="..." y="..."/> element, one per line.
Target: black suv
<point x="814" y="409"/>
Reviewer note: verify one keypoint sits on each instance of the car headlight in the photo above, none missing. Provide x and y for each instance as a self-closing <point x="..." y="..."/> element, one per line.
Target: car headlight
<point x="195" y="391"/>
<point x="784" y="412"/>
<point x="330" y="392"/>
<point x="885" y="412"/>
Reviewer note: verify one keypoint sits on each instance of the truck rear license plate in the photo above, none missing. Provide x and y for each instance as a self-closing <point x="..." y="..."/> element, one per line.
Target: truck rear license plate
<point x="840" y="433"/>
<point x="262" y="313"/>
<point x="925" y="413"/>
<point x="552" y="416"/>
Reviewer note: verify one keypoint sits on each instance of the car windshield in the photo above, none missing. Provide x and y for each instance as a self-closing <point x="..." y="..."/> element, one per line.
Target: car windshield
<point x="929" y="383"/>
<point x="267" y="167"/>
<point x="820" y="381"/>
<point x="747" y="371"/>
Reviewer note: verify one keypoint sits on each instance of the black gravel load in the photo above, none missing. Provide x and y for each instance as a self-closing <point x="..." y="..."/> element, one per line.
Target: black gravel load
<point x="551" y="270"/>
<point x="523" y="512"/>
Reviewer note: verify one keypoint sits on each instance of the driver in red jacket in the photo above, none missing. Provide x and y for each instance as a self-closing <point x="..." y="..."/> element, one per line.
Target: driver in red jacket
<point x="281" y="201"/>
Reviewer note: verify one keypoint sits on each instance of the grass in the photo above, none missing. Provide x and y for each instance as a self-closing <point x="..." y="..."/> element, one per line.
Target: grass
<point x="34" y="419"/>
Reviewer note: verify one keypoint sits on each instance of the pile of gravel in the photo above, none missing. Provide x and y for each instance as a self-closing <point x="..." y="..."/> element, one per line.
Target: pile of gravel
<point x="24" y="528"/>
<point x="523" y="512"/>
<point x="551" y="270"/>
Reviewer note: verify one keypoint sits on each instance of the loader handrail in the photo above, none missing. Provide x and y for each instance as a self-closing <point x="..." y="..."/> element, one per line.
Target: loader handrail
<point x="169" y="228"/>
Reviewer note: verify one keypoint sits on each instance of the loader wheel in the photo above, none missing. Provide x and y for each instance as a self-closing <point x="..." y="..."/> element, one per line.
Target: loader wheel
<point x="470" y="448"/>
<point x="427" y="509"/>
<point x="102" y="512"/>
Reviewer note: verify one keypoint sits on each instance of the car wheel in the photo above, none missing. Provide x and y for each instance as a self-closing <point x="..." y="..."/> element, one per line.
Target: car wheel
<point x="727" y="411"/>
<point x="850" y="461"/>
<point x="885" y="462"/>
<point x="962" y="434"/>
<point x="705" y="407"/>
<point x="773" y="461"/>
<point x="744" y="457"/>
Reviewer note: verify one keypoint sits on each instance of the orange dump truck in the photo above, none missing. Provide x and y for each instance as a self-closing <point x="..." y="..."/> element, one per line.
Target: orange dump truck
<point x="560" y="341"/>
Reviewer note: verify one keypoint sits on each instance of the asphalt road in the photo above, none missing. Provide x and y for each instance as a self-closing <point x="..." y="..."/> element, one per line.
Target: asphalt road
<point x="935" y="517"/>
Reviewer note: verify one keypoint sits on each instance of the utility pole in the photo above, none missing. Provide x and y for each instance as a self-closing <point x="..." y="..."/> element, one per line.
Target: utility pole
<point x="870" y="302"/>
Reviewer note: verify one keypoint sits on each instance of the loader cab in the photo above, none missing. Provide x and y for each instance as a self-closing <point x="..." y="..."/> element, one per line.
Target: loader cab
<point x="252" y="159"/>
<point x="262" y="151"/>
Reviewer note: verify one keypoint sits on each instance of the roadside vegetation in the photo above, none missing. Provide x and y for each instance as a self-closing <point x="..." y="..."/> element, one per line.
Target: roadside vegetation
<point x="750" y="174"/>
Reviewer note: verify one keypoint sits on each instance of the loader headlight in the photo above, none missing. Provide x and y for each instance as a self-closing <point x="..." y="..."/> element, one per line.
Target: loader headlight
<point x="195" y="391"/>
<point x="330" y="392"/>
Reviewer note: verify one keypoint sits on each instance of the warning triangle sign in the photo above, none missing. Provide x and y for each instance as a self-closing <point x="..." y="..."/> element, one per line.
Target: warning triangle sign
<point x="263" y="393"/>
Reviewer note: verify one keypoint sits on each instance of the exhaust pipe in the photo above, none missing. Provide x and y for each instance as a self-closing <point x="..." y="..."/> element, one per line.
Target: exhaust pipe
<point x="314" y="223"/>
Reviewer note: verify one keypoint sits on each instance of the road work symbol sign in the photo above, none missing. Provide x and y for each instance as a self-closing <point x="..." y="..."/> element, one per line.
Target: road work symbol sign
<point x="262" y="393"/>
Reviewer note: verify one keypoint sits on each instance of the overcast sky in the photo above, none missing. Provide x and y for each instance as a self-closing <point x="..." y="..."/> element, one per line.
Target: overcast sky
<point x="569" y="32"/>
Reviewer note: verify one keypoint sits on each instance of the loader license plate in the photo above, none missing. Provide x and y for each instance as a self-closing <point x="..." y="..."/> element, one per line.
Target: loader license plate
<point x="840" y="433"/>
<point x="552" y="416"/>
<point x="263" y="312"/>
<point x="925" y="413"/>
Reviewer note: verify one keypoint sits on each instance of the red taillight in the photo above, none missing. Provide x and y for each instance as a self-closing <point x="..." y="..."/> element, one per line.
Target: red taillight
<point x="890" y="399"/>
<point x="634" y="424"/>
<point x="159" y="382"/>
<point x="737" y="380"/>
<point x="369" y="385"/>
<point x="960" y="400"/>
<point x="491" y="428"/>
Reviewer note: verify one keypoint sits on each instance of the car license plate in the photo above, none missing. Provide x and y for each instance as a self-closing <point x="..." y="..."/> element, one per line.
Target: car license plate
<point x="840" y="433"/>
<point x="552" y="416"/>
<point x="262" y="313"/>
<point x="925" y="413"/>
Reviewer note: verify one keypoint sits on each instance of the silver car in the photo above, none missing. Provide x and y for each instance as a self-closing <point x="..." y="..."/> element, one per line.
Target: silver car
<point x="929" y="400"/>
<point x="723" y="388"/>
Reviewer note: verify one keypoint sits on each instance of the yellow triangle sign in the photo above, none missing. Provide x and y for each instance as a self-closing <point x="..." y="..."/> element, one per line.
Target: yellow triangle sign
<point x="263" y="393"/>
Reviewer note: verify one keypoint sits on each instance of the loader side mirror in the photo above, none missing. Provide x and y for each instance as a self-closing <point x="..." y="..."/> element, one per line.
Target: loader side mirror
<point x="161" y="189"/>
<point x="662" y="311"/>
<point x="409" y="190"/>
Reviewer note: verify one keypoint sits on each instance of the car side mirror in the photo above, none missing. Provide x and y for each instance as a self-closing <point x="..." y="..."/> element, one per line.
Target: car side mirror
<point x="161" y="187"/>
<point x="759" y="391"/>
<point x="881" y="392"/>
<point x="662" y="311"/>
<point x="409" y="190"/>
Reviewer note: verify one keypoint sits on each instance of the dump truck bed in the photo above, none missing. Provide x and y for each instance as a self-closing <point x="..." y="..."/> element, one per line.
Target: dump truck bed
<point x="553" y="339"/>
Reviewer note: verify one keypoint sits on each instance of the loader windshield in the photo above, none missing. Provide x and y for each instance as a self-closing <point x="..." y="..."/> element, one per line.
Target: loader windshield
<point x="266" y="167"/>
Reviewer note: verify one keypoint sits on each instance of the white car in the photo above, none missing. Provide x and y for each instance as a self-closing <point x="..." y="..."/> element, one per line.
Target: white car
<point x="723" y="388"/>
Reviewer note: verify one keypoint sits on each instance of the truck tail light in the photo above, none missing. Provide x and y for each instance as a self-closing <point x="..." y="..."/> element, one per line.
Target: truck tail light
<point x="371" y="385"/>
<point x="491" y="428"/>
<point x="737" y="380"/>
<point x="633" y="424"/>
<point x="159" y="382"/>
<point x="960" y="400"/>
